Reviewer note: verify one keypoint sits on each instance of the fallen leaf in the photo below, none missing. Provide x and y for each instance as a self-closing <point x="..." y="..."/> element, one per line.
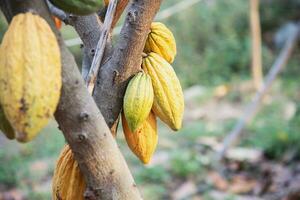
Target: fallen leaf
<point x="184" y="190"/>
<point x="241" y="185"/>
<point x="244" y="154"/>
<point x="218" y="181"/>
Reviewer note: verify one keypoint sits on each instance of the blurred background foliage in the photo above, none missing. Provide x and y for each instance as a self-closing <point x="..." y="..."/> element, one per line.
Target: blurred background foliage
<point x="213" y="43"/>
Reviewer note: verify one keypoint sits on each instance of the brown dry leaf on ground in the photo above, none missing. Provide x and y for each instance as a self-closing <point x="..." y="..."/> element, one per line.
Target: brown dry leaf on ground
<point x="181" y="192"/>
<point x="243" y="154"/>
<point x="13" y="194"/>
<point x="217" y="195"/>
<point x="241" y="185"/>
<point x="218" y="181"/>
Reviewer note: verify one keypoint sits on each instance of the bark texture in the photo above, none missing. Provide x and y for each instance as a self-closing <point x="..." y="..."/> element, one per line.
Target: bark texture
<point x="84" y="127"/>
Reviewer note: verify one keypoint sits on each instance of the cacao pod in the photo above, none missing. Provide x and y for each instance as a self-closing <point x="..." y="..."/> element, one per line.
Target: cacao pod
<point x="5" y="126"/>
<point x="161" y="41"/>
<point x="138" y="100"/>
<point x="143" y="141"/>
<point x="68" y="182"/>
<point x="78" y="7"/>
<point x="168" y="102"/>
<point x="30" y="75"/>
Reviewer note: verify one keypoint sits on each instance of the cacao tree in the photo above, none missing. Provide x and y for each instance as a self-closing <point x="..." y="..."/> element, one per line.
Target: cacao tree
<point x="93" y="167"/>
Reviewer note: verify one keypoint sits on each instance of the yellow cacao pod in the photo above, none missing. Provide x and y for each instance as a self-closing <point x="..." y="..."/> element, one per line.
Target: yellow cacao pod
<point x="168" y="102"/>
<point x="68" y="182"/>
<point x="161" y="41"/>
<point x="30" y="75"/>
<point x="5" y="126"/>
<point x="138" y="100"/>
<point x="143" y="141"/>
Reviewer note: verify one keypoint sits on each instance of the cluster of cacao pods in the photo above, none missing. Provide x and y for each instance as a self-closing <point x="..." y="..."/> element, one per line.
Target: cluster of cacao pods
<point x="153" y="92"/>
<point x="30" y="77"/>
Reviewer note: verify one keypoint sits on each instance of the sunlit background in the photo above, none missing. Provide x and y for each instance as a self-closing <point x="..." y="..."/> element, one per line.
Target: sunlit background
<point x="214" y="67"/>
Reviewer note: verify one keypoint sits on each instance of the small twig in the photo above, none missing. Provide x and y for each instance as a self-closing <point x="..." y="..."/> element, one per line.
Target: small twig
<point x="252" y="107"/>
<point x="91" y="77"/>
<point x="57" y="12"/>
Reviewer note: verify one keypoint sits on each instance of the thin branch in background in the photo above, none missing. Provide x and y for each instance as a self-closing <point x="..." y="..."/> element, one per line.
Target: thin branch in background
<point x="91" y="77"/>
<point x="253" y="106"/>
<point x="256" y="44"/>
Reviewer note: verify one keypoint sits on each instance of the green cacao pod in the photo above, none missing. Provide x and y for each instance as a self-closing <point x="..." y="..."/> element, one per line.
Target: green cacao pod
<point x="30" y="75"/>
<point x="68" y="182"/>
<point x="161" y="41"/>
<point x="5" y="126"/>
<point x="138" y="100"/>
<point x="143" y="141"/>
<point x="78" y="7"/>
<point x="168" y="102"/>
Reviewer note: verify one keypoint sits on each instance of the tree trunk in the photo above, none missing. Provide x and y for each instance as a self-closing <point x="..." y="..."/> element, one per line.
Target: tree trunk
<point x="83" y="125"/>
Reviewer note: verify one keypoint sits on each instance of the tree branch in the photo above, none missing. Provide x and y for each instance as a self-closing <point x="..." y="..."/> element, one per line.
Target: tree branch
<point x="120" y="8"/>
<point x="60" y="14"/>
<point x="86" y="64"/>
<point x="129" y="48"/>
<point x="89" y="29"/>
<point x="84" y="128"/>
<point x="126" y="59"/>
<point x="91" y="77"/>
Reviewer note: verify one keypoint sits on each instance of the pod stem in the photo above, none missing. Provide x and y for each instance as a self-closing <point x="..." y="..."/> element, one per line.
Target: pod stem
<point x="144" y="55"/>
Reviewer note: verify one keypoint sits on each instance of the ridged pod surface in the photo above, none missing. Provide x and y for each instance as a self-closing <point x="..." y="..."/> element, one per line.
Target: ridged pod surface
<point x="138" y="100"/>
<point x="30" y="75"/>
<point x="68" y="182"/>
<point x="143" y="141"/>
<point x="161" y="41"/>
<point x="168" y="102"/>
<point x="5" y="126"/>
<point x="79" y="7"/>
